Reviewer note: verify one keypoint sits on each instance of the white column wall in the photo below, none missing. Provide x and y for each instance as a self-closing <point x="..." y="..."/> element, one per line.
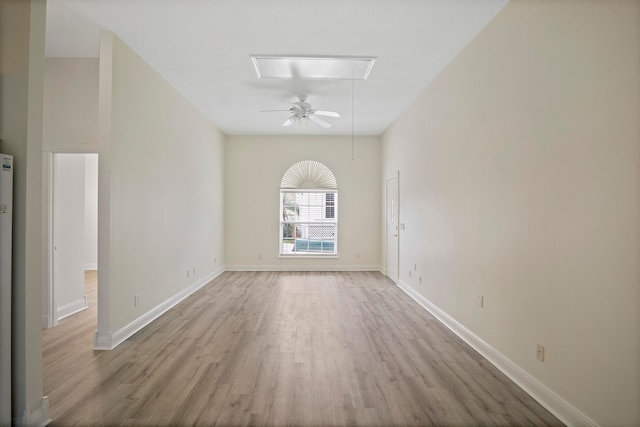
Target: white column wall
<point x="161" y="194"/>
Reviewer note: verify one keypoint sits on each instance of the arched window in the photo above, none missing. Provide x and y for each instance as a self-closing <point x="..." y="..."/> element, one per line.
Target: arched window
<point x="308" y="211"/>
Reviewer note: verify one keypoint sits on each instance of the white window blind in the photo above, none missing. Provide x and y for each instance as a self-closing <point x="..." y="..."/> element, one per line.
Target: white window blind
<point x="308" y="210"/>
<point x="308" y="224"/>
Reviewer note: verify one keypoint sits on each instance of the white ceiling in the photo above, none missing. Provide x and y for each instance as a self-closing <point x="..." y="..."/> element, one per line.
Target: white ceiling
<point x="203" y="48"/>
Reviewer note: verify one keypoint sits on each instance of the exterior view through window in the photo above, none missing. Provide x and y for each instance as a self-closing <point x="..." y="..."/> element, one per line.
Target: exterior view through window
<point x="308" y="211"/>
<point x="309" y="223"/>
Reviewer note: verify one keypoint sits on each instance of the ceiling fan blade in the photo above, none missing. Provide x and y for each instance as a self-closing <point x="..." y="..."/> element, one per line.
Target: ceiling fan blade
<point x="326" y="113"/>
<point x="288" y="122"/>
<point x="319" y="121"/>
<point x="270" y="111"/>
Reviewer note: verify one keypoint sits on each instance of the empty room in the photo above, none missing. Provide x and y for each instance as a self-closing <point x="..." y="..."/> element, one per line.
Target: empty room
<point x="320" y="213"/>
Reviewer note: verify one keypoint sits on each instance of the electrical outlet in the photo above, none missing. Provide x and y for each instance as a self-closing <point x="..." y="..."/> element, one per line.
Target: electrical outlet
<point x="136" y="300"/>
<point x="481" y="301"/>
<point x="540" y="353"/>
<point x="415" y="267"/>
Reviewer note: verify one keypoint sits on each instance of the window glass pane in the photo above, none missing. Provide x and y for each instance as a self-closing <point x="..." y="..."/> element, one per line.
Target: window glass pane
<point x="330" y="211"/>
<point x="301" y="245"/>
<point x="315" y="213"/>
<point x="302" y="199"/>
<point x="302" y="230"/>
<point x="309" y="223"/>
<point x="290" y="213"/>
<point x="287" y="239"/>
<point x="304" y="214"/>
<point x="329" y="231"/>
<point x="327" y="246"/>
<point x="287" y="230"/>
<point x="288" y="199"/>
<point x="315" y="199"/>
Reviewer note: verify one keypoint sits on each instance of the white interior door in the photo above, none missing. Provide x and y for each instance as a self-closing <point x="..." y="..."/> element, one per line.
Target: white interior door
<point x="68" y="234"/>
<point x="392" y="227"/>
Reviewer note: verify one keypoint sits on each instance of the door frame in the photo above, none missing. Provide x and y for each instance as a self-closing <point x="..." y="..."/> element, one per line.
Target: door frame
<point x="49" y="304"/>
<point x="49" y="301"/>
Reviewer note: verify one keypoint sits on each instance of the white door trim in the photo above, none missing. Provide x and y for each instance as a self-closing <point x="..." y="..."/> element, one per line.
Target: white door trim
<point x="49" y="302"/>
<point x="388" y="181"/>
<point x="49" y="311"/>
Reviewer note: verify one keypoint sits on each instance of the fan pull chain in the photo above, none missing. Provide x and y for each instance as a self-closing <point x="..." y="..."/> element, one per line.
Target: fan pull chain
<point x="353" y="114"/>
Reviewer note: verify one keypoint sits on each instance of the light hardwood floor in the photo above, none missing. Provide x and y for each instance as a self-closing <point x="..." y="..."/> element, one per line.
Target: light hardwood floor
<point x="276" y="348"/>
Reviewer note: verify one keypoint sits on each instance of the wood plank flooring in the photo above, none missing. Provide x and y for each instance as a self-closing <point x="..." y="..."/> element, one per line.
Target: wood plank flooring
<point x="281" y="348"/>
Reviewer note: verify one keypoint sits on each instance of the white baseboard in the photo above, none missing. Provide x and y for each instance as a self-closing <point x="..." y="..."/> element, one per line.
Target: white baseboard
<point x="39" y="417"/>
<point x="554" y="403"/>
<point x="303" y="268"/>
<point x="72" y="308"/>
<point x="103" y="342"/>
<point x="91" y="266"/>
<point x="113" y="339"/>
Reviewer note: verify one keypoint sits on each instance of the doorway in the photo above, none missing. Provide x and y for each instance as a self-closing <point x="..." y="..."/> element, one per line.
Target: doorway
<point x="73" y="232"/>
<point x="392" y="228"/>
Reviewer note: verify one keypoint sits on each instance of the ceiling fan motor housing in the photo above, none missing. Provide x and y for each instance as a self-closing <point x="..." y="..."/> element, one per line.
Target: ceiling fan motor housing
<point x="301" y="109"/>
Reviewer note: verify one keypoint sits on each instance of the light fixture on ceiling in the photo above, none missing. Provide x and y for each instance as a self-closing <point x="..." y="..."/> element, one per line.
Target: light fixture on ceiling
<point x="313" y="67"/>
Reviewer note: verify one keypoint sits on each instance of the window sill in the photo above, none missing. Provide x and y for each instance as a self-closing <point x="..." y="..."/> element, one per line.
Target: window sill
<point x="307" y="256"/>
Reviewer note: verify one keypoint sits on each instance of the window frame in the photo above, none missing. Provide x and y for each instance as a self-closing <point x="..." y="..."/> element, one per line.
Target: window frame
<point x="333" y="221"/>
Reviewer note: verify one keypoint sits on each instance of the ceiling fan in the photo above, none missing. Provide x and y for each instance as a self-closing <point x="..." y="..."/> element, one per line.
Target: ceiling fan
<point x="302" y="110"/>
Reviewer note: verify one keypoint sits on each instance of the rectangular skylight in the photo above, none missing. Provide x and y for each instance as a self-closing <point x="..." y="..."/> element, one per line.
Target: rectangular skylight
<point x="313" y="67"/>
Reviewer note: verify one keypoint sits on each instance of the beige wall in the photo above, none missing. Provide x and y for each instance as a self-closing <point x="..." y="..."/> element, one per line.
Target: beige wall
<point x="161" y="183"/>
<point x="520" y="182"/>
<point x="22" y="25"/>
<point x="70" y="117"/>
<point x="255" y="166"/>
